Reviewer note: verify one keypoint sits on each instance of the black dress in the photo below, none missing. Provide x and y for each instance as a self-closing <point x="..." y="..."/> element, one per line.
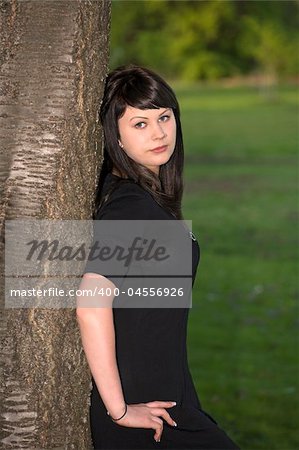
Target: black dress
<point x="151" y="353"/>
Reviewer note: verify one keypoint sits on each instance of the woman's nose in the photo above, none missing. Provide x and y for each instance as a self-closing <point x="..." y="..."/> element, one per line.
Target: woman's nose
<point x="158" y="132"/>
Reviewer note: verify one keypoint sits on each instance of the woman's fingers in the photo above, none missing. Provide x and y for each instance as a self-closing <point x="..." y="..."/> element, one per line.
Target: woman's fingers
<point x="160" y="404"/>
<point x="158" y="410"/>
<point x="161" y="412"/>
<point x="148" y="415"/>
<point x="158" y="428"/>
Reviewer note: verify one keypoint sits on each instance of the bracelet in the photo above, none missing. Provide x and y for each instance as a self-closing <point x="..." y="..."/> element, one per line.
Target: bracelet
<point x="115" y="420"/>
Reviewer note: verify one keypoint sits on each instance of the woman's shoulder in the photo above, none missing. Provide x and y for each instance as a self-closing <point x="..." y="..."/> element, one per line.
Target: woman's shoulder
<point x="126" y="188"/>
<point x="127" y="201"/>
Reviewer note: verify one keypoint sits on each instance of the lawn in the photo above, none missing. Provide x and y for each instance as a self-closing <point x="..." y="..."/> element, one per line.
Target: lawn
<point x="241" y="192"/>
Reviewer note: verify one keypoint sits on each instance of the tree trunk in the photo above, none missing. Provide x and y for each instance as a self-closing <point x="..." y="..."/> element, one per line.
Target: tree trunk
<point x="53" y="64"/>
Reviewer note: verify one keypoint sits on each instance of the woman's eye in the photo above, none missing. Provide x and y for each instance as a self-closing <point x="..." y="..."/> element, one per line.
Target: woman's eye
<point x="164" y="118"/>
<point x="140" y="125"/>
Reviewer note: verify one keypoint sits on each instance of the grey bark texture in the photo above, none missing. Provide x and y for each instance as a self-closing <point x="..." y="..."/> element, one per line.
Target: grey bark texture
<point x="54" y="57"/>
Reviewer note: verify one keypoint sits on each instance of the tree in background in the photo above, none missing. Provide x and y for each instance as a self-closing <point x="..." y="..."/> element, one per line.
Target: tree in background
<point x="272" y="46"/>
<point x="207" y="39"/>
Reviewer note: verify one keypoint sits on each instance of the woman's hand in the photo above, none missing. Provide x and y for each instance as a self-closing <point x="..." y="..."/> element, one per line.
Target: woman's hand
<point x="148" y="415"/>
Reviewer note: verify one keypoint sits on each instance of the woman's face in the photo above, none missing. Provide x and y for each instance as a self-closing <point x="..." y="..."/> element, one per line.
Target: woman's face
<point x="148" y="136"/>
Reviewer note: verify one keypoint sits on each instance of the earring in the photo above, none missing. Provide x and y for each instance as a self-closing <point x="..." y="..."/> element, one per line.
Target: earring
<point x="120" y="144"/>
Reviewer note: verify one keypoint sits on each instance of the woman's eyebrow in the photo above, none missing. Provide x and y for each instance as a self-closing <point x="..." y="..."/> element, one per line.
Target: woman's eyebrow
<point x="141" y="117"/>
<point x="138" y="117"/>
<point x="167" y="109"/>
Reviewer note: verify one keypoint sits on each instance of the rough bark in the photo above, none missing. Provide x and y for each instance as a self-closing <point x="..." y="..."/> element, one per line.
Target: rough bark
<point x="53" y="63"/>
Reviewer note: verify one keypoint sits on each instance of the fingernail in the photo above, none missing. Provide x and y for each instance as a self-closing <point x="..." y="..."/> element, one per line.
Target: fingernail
<point x="174" y="403"/>
<point x="157" y="440"/>
<point x="175" y="424"/>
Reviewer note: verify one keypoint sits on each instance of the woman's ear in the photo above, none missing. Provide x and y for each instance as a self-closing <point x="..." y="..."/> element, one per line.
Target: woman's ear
<point x="120" y="144"/>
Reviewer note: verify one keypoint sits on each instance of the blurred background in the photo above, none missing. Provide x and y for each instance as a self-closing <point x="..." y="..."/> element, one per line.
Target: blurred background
<point x="234" y="68"/>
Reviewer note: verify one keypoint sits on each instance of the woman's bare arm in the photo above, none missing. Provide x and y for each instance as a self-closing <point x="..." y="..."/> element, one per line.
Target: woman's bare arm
<point x="98" y="340"/>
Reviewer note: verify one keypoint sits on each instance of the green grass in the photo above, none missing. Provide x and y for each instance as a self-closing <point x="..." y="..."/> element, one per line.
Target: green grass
<point x="241" y="193"/>
<point x="240" y="122"/>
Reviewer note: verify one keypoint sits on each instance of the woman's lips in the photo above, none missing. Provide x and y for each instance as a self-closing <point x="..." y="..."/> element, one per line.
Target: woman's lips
<point x="160" y="149"/>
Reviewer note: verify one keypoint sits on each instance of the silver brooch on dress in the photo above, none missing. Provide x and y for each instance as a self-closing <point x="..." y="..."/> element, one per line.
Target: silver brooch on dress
<point x="192" y="235"/>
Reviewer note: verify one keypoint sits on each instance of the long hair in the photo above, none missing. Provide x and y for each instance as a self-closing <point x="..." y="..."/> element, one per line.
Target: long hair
<point x="143" y="89"/>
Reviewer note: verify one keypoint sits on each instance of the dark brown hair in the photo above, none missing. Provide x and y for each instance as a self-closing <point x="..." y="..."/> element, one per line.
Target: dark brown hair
<point x="143" y="89"/>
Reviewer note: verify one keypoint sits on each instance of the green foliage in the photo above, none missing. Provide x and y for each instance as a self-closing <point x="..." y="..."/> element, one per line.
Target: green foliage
<point x="197" y="51"/>
<point x="274" y="48"/>
<point x="206" y="39"/>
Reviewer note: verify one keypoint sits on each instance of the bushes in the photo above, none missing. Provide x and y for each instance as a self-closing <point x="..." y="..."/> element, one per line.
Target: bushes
<point x="196" y="40"/>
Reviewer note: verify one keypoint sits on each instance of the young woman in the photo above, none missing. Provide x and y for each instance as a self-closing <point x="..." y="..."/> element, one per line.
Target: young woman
<point x="137" y="356"/>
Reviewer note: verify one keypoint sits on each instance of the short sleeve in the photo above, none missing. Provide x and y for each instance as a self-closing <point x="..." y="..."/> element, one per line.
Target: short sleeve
<point x="111" y="231"/>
